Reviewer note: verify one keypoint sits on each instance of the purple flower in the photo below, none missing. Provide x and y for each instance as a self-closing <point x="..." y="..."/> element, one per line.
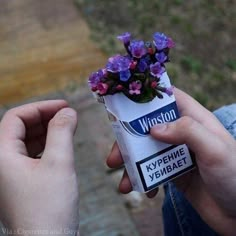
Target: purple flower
<point x="169" y="91"/>
<point x="137" y="48"/>
<point x="157" y="70"/>
<point x="125" y="75"/>
<point x="161" y="57"/>
<point x="118" y="63"/>
<point x="125" y="37"/>
<point x="142" y="65"/>
<point x="104" y="71"/>
<point x="160" y="40"/>
<point x="134" y="87"/>
<point x="95" y="78"/>
<point x="113" y="64"/>
<point x="124" y="63"/>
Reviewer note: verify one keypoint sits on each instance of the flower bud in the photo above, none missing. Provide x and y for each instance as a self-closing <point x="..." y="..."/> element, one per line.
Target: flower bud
<point x="133" y="65"/>
<point x="154" y="84"/>
<point x="94" y="89"/>
<point x="119" y="87"/>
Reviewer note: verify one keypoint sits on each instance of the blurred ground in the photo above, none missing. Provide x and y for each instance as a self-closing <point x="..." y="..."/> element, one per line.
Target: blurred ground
<point x="44" y="47"/>
<point x="46" y="53"/>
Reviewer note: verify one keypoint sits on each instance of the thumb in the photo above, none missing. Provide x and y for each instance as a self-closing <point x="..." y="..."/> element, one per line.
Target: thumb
<point x="59" y="141"/>
<point x="208" y="148"/>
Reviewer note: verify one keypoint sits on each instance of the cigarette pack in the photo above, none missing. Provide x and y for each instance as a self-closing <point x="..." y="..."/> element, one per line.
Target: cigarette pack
<point x="148" y="162"/>
<point x="137" y="94"/>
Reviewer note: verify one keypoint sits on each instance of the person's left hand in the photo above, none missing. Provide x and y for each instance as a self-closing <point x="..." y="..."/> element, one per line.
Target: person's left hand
<point x="38" y="182"/>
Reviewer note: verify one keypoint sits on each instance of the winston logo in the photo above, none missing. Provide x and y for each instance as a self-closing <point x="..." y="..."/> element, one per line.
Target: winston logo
<point x="142" y="125"/>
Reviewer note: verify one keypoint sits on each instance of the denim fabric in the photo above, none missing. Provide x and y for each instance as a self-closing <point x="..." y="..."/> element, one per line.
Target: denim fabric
<point x="227" y="116"/>
<point x="179" y="217"/>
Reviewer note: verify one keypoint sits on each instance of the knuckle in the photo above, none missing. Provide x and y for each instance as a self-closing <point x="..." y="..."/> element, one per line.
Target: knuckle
<point x="186" y="122"/>
<point x="10" y="112"/>
<point x="17" y="111"/>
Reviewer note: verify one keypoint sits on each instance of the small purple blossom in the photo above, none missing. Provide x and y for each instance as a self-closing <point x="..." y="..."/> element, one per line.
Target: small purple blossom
<point x="125" y="37"/>
<point x="125" y="75"/>
<point x="137" y="48"/>
<point x="104" y="71"/>
<point x="161" y="57"/>
<point x="134" y="87"/>
<point x="157" y="70"/>
<point x="118" y="63"/>
<point x="160" y="40"/>
<point x="169" y="91"/>
<point x="142" y="65"/>
<point x="95" y="78"/>
<point x="113" y="64"/>
<point x="124" y="63"/>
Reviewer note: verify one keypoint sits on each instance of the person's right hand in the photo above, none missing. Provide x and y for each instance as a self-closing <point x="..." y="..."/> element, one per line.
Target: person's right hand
<point x="38" y="182"/>
<point x="211" y="187"/>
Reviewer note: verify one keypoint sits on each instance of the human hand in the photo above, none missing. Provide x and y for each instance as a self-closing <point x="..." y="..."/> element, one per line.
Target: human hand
<point x="211" y="187"/>
<point x="39" y="195"/>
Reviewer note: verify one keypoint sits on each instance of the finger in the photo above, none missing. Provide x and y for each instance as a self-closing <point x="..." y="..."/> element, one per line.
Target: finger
<point x="206" y="145"/>
<point x="152" y="193"/>
<point x="59" y="142"/>
<point x="125" y="184"/>
<point x="16" y="121"/>
<point x="190" y="107"/>
<point x="114" y="159"/>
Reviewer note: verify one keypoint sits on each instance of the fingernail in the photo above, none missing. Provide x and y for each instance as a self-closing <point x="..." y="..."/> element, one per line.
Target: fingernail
<point x="159" y="128"/>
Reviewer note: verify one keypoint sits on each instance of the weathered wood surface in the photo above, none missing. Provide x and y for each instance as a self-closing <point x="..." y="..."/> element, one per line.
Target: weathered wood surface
<point x="44" y="46"/>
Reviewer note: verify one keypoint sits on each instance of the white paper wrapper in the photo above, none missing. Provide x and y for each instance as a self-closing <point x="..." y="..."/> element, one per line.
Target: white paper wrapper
<point x="148" y="162"/>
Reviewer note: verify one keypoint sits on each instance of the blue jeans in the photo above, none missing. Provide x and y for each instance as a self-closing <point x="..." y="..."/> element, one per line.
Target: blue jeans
<point x="179" y="217"/>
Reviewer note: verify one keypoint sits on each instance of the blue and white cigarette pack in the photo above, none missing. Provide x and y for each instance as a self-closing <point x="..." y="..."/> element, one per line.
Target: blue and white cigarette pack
<point x="148" y="162"/>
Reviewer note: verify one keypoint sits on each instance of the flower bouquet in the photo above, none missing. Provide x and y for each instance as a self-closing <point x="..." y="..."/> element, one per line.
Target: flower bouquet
<point x="137" y="94"/>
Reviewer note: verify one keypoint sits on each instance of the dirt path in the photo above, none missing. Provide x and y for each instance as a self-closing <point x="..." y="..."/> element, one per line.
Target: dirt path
<point x="44" y="46"/>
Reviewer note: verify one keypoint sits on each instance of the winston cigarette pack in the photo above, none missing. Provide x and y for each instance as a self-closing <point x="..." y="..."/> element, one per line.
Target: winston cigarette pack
<point x="137" y="94"/>
<point x="147" y="161"/>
